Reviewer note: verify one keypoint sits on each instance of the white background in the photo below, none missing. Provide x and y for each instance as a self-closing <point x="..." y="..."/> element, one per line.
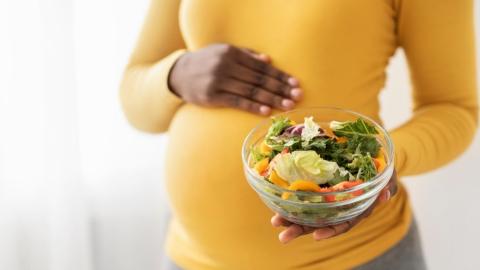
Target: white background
<point x="80" y="189"/>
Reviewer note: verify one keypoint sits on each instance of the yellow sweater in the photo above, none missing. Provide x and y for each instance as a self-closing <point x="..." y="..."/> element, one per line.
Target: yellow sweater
<point x="339" y="50"/>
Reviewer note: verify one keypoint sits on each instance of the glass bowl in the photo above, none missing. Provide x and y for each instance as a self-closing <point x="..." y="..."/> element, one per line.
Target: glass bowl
<point x="318" y="209"/>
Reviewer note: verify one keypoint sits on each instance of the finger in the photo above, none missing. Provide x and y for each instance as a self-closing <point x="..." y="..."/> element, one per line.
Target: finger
<point x="231" y="100"/>
<point x="293" y="231"/>
<point x="393" y="183"/>
<point x="384" y="195"/>
<point x="260" y="56"/>
<point x="367" y="212"/>
<point x="389" y="190"/>
<point x="247" y="60"/>
<point x="269" y="83"/>
<point x="256" y="93"/>
<point x="324" y="233"/>
<point x="278" y="221"/>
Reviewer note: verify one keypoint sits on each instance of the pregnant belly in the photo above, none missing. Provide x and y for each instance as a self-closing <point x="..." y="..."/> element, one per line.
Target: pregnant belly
<point x="205" y="180"/>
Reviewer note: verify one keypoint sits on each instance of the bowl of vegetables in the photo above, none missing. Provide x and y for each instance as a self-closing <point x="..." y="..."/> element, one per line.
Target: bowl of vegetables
<point x="318" y="166"/>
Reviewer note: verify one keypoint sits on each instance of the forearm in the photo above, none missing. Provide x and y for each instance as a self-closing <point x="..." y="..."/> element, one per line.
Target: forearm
<point x="435" y="135"/>
<point x="147" y="101"/>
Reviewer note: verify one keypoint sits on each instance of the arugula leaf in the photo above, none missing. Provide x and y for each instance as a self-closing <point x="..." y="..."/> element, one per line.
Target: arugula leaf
<point x="362" y="166"/>
<point x="363" y="145"/>
<point x="334" y="151"/>
<point x="351" y="128"/>
<point x="318" y="143"/>
<point x="293" y="143"/>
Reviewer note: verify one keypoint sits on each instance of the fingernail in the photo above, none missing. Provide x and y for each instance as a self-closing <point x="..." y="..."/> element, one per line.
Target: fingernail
<point x="296" y="93"/>
<point x="293" y="81"/>
<point x="282" y="238"/>
<point x="265" y="110"/>
<point x="275" y="222"/>
<point x="388" y="195"/>
<point x="287" y="103"/>
<point x="323" y="233"/>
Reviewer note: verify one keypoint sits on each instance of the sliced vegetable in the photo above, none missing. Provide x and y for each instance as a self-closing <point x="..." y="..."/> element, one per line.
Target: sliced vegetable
<point x="277" y="180"/>
<point x="304" y="185"/>
<point x="265" y="149"/>
<point x="261" y="166"/>
<point x="330" y="197"/>
<point x="351" y="184"/>
<point x="380" y="162"/>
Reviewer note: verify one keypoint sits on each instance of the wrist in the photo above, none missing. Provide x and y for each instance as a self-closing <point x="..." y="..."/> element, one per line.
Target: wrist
<point x="173" y="77"/>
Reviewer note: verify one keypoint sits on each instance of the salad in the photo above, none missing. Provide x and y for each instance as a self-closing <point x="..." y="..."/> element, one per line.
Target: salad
<point x="320" y="158"/>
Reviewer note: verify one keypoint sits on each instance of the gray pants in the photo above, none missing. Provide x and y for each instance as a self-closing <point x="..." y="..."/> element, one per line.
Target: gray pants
<point x="406" y="255"/>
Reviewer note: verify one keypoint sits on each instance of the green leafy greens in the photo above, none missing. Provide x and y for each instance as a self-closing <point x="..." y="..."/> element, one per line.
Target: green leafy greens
<point x="362" y="166"/>
<point x="319" y="157"/>
<point x="279" y="124"/>
<point x="350" y="128"/>
<point x="361" y="136"/>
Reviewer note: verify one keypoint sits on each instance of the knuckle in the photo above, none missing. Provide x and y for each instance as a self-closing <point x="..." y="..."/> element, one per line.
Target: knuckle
<point x="283" y="77"/>
<point x="278" y="101"/>
<point x="284" y="89"/>
<point x="206" y="97"/>
<point x="260" y="79"/>
<point x="251" y="106"/>
<point x="209" y="95"/>
<point x="260" y="66"/>
<point x="233" y="101"/>
<point x="253" y="91"/>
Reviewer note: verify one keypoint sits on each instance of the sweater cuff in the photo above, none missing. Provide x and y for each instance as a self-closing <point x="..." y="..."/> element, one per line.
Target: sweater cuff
<point x="400" y="154"/>
<point x="161" y="72"/>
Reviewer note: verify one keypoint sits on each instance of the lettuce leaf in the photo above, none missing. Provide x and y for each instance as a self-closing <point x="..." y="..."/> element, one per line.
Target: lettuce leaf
<point x="310" y="130"/>
<point x="306" y="165"/>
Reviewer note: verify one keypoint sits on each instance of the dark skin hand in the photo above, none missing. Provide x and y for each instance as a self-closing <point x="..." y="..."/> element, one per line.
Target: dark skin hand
<point x="223" y="75"/>
<point x="293" y="231"/>
<point x="228" y="76"/>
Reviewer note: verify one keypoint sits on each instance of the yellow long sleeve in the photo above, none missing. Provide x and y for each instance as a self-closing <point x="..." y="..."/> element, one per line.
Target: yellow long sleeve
<point x="438" y="39"/>
<point x="147" y="101"/>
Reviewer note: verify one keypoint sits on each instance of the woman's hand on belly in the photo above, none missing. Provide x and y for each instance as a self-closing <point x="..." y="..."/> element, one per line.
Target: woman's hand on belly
<point x="224" y="75"/>
<point x="293" y="231"/>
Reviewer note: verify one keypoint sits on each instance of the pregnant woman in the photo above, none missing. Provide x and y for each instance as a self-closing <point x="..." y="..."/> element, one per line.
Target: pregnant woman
<point x="207" y="71"/>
